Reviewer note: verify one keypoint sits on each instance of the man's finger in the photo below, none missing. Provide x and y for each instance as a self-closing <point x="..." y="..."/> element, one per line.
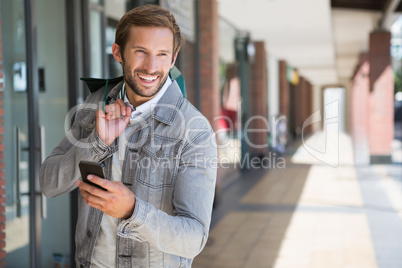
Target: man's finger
<point x="122" y="106"/>
<point x="128" y="111"/>
<point x="92" y="188"/>
<point x="112" y="111"/>
<point x="116" y="109"/>
<point x="99" y="113"/>
<point x="101" y="182"/>
<point x="91" y="199"/>
<point x="126" y="118"/>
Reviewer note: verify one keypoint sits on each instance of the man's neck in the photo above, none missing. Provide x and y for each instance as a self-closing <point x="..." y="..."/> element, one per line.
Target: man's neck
<point x="136" y="100"/>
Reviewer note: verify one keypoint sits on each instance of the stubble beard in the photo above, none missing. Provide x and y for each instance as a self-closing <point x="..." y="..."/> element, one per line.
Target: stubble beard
<point x="129" y="78"/>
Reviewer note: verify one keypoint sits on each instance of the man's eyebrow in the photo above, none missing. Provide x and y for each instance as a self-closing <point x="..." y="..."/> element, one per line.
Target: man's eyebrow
<point x="139" y="47"/>
<point x="144" y="48"/>
<point x="165" y="51"/>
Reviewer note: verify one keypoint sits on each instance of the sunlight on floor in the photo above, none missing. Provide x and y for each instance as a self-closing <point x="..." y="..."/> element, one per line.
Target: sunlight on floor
<point x="332" y="148"/>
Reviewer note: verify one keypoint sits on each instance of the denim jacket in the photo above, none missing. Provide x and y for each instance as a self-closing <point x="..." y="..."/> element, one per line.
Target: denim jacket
<point x="169" y="164"/>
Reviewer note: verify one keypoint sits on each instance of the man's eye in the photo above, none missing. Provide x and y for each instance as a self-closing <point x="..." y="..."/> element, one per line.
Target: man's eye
<point x="141" y="51"/>
<point x="163" y="54"/>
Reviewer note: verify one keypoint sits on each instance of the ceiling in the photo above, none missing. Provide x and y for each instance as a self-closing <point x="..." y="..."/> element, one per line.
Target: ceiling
<point x="322" y="39"/>
<point x="375" y="5"/>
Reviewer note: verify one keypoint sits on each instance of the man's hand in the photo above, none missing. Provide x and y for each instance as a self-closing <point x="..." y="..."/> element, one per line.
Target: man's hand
<point x="111" y="124"/>
<point x="118" y="201"/>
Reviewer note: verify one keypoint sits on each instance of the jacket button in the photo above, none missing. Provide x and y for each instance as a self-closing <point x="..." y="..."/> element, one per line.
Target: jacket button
<point x="89" y="233"/>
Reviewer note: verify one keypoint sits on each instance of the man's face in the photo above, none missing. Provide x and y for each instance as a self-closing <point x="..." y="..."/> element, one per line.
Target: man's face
<point x="148" y="57"/>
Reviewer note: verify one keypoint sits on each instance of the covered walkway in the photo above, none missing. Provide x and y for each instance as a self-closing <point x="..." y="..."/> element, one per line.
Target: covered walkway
<point x="309" y="214"/>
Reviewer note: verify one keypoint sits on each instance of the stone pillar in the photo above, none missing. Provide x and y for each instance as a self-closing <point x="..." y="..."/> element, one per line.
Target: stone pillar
<point x="258" y="102"/>
<point x="381" y="103"/>
<point x="209" y="60"/>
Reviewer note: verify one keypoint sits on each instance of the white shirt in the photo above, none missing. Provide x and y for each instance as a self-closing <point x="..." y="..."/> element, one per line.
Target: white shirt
<point x="104" y="254"/>
<point x="147" y="105"/>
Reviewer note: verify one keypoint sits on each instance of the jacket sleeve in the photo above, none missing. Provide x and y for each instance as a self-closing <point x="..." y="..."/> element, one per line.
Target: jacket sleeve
<point x="185" y="233"/>
<point x="60" y="171"/>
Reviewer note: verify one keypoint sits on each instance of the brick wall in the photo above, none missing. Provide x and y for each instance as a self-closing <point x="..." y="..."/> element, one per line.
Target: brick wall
<point x="381" y="127"/>
<point x="284" y="97"/>
<point x="303" y="101"/>
<point x="306" y="104"/>
<point x="292" y="110"/>
<point x="2" y="175"/>
<point x="188" y="70"/>
<point x="309" y="104"/>
<point x="379" y="55"/>
<point x="297" y="106"/>
<point x="209" y="60"/>
<point x="258" y="101"/>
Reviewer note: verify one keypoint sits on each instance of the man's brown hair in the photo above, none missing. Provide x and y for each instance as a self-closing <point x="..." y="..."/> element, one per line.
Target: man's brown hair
<point x="149" y="16"/>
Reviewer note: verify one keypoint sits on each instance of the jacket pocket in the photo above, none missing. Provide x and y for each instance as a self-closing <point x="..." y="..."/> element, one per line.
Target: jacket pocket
<point x="86" y="119"/>
<point x="158" y="162"/>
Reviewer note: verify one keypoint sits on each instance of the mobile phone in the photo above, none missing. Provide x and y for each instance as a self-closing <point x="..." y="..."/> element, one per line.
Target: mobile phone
<point x="95" y="168"/>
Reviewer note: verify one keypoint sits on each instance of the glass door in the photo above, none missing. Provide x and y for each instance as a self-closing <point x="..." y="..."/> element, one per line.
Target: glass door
<point x="16" y="134"/>
<point x="53" y="107"/>
<point x="35" y="105"/>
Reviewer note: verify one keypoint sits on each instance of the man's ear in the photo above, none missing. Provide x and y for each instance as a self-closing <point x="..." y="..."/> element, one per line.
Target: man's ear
<point x="173" y="61"/>
<point x="117" y="53"/>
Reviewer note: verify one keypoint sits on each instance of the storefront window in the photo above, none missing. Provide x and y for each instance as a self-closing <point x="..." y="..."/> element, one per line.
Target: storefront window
<point x="228" y="125"/>
<point x="96" y="44"/>
<point x="114" y="10"/>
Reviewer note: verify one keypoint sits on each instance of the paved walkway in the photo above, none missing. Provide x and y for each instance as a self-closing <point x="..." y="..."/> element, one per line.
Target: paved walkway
<point x="311" y="214"/>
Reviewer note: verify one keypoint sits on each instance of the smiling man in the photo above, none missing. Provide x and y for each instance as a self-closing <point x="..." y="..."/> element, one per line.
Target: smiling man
<point x="157" y="153"/>
<point x="146" y="61"/>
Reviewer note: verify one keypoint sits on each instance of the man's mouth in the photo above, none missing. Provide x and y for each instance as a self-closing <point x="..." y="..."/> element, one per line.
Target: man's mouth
<point x="148" y="78"/>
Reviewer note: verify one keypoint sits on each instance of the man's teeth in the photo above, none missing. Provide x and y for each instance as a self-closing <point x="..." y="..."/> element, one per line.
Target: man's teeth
<point x="149" y="79"/>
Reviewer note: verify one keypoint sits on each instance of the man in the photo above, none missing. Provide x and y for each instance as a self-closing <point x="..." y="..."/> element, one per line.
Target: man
<point x="155" y="148"/>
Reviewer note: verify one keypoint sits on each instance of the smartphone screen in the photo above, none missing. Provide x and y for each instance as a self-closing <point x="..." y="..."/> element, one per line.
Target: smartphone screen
<point x="94" y="168"/>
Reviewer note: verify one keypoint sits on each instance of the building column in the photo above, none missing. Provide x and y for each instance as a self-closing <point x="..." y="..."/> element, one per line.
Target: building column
<point x="209" y="60"/>
<point x="316" y="105"/>
<point x="303" y="102"/>
<point x="306" y="105"/>
<point x="381" y="103"/>
<point x="359" y="108"/>
<point x="284" y="96"/>
<point x="309" y="105"/>
<point x="258" y="102"/>
<point x="297" y="107"/>
<point x="2" y="174"/>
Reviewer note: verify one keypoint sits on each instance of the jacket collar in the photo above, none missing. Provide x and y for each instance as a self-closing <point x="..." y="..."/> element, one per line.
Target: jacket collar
<point x="113" y="94"/>
<point x="167" y="107"/>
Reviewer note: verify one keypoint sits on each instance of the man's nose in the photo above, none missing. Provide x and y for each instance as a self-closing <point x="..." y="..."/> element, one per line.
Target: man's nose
<point x="150" y="64"/>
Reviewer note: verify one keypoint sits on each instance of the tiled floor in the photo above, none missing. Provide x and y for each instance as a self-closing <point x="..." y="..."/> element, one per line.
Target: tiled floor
<point x="309" y="215"/>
